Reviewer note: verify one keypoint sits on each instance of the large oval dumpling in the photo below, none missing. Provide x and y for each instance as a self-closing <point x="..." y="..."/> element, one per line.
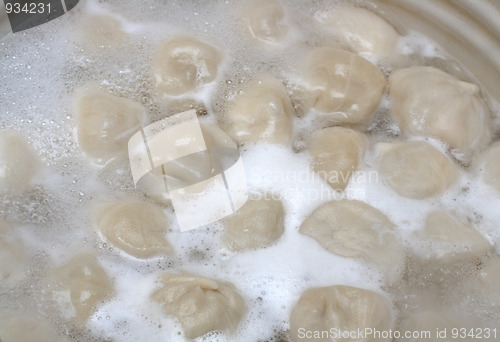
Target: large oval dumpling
<point x="184" y="64"/>
<point x="427" y="101"/>
<point x="265" y="21"/>
<point x="343" y="88"/>
<point x="451" y="239"/>
<point x="105" y="122"/>
<point x="490" y="165"/>
<point x="22" y="328"/>
<point x="200" y="304"/>
<point x="352" y="228"/>
<point x="83" y="283"/>
<point x="136" y="228"/>
<point x="261" y="112"/>
<point x="17" y="163"/>
<point x="362" y="30"/>
<point x="255" y="225"/>
<point x="416" y="169"/>
<point x="337" y="153"/>
<point x="342" y="308"/>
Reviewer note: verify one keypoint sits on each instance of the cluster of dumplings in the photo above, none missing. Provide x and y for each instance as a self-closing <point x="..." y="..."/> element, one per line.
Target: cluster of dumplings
<point x="341" y="87"/>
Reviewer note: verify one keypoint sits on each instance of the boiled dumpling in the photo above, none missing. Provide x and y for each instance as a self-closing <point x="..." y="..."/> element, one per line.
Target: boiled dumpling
<point x="17" y="163"/>
<point x="489" y="275"/>
<point x="416" y="169"/>
<point x="427" y="101"/>
<point x="135" y="227"/>
<point x="102" y="31"/>
<point x="352" y="228"/>
<point x="200" y="304"/>
<point x="364" y="31"/>
<point x="265" y="21"/>
<point x="20" y="328"/>
<point x="336" y="153"/>
<point x="257" y="224"/>
<point x="452" y="239"/>
<point x="262" y="112"/>
<point x="490" y="165"/>
<point x="342" y="87"/>
<point x="85" y="282"/>
<point x="184" y="64"/>
<point x="105" y="122"/>
<point x="339" y="307"/>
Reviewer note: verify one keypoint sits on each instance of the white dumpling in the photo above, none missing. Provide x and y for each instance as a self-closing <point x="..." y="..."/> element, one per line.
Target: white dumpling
<point x="184" y="64"/>
<point x="427" y="101"/>
<point x="451" y="239"/>
<point x="105" y="122"/>
<point x="103" y="31"/>
<point x="83" y="283"/>
<point x="362" y="30"/>
<point x="339" y="307"/>
<point x="18" y="164"/>
<point x="490" y="165"/>
<point x="200" y="304"/>
<point x="489" y="275"/>
<point x="255" y="225"/>
<point x="12" y="256"/>
<point x="22" y="328"/>
<point x="136" y="228"/>
<point x="265" y="21"/>
<point x="416" y="169"/>
<point x="343" y="88"/>
<point x="337" y="152"/>
<point x="261" y="112"/>
<point x="352" y="228"/>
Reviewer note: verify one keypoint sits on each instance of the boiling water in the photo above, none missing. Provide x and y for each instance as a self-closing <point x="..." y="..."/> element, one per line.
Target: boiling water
<point x="41" y="67"/>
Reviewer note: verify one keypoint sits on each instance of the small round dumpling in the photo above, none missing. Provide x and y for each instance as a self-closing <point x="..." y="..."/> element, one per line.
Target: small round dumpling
<point x="103" y="31"/>
<point x="20" y="328"/>
<point x="200" y="304"/>
<point x="427" y="101"/>
<point x="342" y="308"/>
<point x="255" y="225"/>
<point x="105" y="122"/>
<point x="184" y="64"/>
<point x="342" y="87"/>
<point x="364" y="31"/>
<point x="489" y="275"/>
<point x="85" y="282"/>
<point x="136" y="228"/>
<point x="17" y="163"/>
<point x="262" y="112"/>
<point x="416" y="169"/>
<point x="352" y="228"/>
<point x="452" y="239"/>
<point x="265" y="21"/>
<point x="337" y="153"/>
<point x="490" y="165"/>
